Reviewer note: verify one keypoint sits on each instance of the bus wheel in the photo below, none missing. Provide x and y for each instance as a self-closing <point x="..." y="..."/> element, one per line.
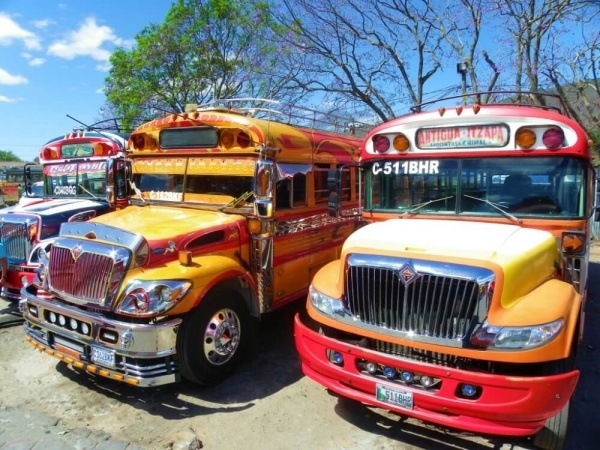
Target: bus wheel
<point x="214" y="337"/>
<point x="554" y="433"/>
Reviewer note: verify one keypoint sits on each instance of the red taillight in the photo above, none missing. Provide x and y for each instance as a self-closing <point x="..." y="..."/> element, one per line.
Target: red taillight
<point x="553" y="137"/>
<point x="49" y="153"/>
<point x="381" y="144"/>
<point x="243" y="140"/>
<point x="100" y="149"/>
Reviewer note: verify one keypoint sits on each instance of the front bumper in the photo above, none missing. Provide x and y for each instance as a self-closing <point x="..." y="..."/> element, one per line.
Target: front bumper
<point x="508" y="405"/>
<point x="12" y="288"/>
<point x="139" y="354"/>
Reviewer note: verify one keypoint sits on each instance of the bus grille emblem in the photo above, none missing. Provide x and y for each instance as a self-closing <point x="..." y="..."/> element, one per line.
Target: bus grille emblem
<point x="76" y="252"/>
<point x="407" y="274"/>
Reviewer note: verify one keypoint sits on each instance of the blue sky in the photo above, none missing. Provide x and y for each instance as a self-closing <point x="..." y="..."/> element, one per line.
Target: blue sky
<point x="53" y="61"/>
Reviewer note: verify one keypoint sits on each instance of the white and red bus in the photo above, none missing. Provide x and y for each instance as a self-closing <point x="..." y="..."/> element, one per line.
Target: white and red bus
<point x="81" y="173"/>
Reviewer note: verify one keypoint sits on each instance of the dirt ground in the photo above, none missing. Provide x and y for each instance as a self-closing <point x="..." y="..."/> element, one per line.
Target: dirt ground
<point x="267" y="404"/>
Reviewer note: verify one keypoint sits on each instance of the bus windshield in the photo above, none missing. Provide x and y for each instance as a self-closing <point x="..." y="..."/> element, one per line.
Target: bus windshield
<point x="86" y="179"/>
<point x="545" y="186"/>
<point x="197" y="180"/>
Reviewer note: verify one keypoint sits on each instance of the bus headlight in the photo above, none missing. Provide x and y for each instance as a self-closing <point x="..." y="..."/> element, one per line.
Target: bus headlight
<point x="512" y="338"/>
<point x="149" y="298"/>
<point x="324" y="303"/>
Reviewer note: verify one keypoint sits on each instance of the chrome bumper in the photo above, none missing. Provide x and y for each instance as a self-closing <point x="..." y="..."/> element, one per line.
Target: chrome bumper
<point x="143" y="353"/>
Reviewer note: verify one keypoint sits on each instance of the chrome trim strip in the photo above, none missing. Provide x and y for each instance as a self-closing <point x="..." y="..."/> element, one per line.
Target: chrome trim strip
<point x="102" y="232"/>
<point x="416" y="300"/>
<point x="284" y="227"/>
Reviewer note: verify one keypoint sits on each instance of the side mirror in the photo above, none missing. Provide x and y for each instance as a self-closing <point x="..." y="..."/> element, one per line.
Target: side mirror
<point x="118" y="176"/>
<point x="334" y="185"/>
<point x="264" y="175"/>
<point x="334" y="205"/>
<point x="27" y="179"/>
<point x="334" y="180"/>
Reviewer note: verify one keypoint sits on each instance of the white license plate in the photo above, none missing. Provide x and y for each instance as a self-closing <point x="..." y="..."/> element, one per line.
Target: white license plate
<point x="403" y="399"/>
<point x="103" y="357"/>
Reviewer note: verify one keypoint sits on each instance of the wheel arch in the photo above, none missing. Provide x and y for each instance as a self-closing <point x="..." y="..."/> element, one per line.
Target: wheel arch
<point x="240" y="283"/>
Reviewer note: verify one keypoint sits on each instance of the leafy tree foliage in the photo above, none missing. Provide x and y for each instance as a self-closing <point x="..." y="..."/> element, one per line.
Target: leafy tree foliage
<point x="7" y="155"/>
<point x="204" y="50"/>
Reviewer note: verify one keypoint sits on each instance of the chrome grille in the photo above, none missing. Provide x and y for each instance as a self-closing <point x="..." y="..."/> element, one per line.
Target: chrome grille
<point x="418" y="299"/>
<point x="86" y="273"/>
<point x="15" y="237"/>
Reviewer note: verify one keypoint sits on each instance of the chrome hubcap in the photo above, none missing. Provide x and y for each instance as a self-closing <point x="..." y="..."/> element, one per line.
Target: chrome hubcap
<point x="222" y="336"/>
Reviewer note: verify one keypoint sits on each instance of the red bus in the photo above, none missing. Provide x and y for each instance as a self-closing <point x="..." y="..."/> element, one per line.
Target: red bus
<point x="461" y="302"/>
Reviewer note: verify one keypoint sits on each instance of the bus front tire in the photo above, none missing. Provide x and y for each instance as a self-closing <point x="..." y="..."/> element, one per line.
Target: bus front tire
<point x="554" y="433"/>
<point x="214" y="338"/>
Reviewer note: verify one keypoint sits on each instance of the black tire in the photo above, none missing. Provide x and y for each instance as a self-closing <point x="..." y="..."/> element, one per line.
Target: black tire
<point x="554" y="433"/>
<point x="214" y="338"/>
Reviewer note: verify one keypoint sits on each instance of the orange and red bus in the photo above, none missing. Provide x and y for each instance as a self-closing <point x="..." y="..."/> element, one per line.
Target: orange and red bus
<point x="462" y="302"/>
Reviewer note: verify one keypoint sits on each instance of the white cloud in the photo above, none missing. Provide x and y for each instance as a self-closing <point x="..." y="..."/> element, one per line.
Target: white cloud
<point x="88" y="40"/>
<point x="36" y="62"/>
<point x="7" y="78"/>
<point x="11" y="31"/>
<point x="5" y="99"/>
<point x="42" y="24"/>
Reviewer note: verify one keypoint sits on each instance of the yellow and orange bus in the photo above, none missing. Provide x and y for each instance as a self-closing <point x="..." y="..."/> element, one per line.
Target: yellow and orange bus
<point x="227" y="220"/>
<point x="462" y="303"/>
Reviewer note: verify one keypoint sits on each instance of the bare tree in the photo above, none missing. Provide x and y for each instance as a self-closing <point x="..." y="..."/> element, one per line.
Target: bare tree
<point x="386" y="55"/>
<point x="372" y="53"/>
<point x="534" y="25"/>
<point x="575" y="78"/>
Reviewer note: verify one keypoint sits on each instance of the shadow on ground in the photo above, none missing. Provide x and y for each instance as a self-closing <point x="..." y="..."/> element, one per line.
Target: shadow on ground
<point x="274" y="367"/>
<point x="10" y="315"/>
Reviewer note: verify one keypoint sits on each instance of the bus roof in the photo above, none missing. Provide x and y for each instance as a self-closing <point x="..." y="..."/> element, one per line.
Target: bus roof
<point x="490" y="130"/>
<point x="289" y="132"/>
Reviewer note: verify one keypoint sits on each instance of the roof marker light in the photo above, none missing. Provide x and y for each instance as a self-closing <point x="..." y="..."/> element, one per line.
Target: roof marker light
<point x="525" y="138"/>
<point x="553" y="137"/>
<point x="381" y="144"/>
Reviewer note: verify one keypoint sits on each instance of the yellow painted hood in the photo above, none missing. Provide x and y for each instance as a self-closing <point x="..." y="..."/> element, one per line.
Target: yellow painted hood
<point x="522" y="258"/>
<point x="163" y="222"/>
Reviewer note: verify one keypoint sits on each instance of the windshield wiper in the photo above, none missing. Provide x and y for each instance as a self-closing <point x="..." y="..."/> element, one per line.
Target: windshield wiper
<point x="416" y="208"/>
<point x="495" y="206"/>
<point x="236" y="201"/>
<point x="86" y="191"/>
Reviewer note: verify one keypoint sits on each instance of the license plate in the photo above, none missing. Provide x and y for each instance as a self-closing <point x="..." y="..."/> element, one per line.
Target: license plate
<point x="396" y="397"/>
<point x="103" y="357"/>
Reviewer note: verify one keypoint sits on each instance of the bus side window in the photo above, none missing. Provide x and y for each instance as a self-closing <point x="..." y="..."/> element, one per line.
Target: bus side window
<point x="299" y="190"/>
<point x="345" y="193"/>
<point x="282" y="194"/>
<point x="321" y="190"/>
